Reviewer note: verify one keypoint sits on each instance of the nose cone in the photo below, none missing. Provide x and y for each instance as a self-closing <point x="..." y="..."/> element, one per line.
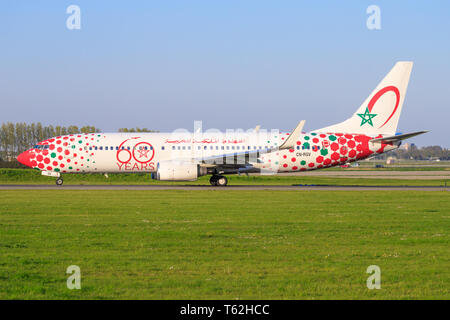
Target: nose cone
<point x="25" y="158"/>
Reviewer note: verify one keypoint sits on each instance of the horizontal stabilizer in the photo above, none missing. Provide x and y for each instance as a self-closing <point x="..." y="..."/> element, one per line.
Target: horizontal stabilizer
<point x="398" y="137"/>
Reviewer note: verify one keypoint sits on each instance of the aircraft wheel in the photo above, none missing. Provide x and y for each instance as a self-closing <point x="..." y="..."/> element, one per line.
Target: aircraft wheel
<point x="221" y="181"/>
<point x="59" y="182"/>
<point x="213" y="180"/>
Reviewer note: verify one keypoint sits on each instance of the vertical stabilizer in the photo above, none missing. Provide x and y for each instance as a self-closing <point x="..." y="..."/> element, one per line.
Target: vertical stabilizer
<point x="380" y="112"/>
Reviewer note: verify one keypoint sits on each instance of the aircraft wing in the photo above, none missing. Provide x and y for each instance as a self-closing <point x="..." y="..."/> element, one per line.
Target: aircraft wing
<point x="397" y="137"/>
<point x="233" y="160"/>
<point x="245" y="160"/>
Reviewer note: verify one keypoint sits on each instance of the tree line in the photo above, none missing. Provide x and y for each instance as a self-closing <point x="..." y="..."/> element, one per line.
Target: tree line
<point x="416" y="153"/>
<point x="137" y="129"/>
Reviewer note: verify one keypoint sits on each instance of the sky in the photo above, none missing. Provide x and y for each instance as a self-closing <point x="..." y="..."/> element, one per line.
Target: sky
<point x="231" y="64"/>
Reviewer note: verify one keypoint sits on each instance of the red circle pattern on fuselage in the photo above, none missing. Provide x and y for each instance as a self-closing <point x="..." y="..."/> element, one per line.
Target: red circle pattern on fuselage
<point x="150" y="148"/>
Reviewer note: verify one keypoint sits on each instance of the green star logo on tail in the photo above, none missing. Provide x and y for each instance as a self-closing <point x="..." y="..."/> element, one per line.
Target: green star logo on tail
<point x="367" y="117"/>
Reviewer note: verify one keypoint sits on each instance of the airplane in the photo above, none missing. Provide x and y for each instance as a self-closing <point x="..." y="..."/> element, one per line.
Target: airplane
<point x="185" y="156"/>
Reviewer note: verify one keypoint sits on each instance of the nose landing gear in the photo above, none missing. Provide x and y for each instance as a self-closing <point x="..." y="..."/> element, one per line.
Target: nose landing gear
<point x="59" y="181"/>
<point x="218" y="180"/>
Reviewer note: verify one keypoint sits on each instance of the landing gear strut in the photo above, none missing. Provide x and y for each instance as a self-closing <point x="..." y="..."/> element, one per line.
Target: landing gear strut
<point x="218" y="180"/>
<point x="59" y="181"/>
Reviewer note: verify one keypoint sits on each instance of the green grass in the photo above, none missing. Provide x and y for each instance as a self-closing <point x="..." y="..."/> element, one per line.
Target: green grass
<point x="25" y="176"/>
<point x="224" y="244"/>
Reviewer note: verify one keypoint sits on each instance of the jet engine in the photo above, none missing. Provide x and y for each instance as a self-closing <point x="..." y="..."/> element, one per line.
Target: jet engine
<point x="178" y="171"/>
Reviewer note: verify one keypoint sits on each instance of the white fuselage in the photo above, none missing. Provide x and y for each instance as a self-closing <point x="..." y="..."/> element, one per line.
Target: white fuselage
<point x="141" y="152"/>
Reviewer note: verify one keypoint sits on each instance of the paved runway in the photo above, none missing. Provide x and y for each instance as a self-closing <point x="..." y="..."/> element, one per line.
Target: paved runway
<point x="229" y="187"/>
<point x="357" y="174"/>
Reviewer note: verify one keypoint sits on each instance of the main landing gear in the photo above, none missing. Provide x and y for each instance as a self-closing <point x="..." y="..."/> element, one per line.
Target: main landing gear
<point x="218" y="180"/>
<point x="59" y="181"/>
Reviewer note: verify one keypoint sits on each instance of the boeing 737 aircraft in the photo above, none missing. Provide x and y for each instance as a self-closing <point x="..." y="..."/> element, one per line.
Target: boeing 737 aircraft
<point x="184" y="156"/>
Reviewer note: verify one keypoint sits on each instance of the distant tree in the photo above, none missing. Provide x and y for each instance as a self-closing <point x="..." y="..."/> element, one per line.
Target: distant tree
<point x="89" y="129"/>
<point x="39" y="132"/>
<point x="72" y="130"/>
<point x="137" y="129"/>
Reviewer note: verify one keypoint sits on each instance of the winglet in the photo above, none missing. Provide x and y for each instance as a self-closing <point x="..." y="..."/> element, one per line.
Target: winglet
<point x="293" y="137"/>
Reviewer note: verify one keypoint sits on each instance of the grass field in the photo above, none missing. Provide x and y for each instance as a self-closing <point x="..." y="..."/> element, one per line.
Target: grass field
<point x="224" y="244"/>
<point x="29" y="176"/>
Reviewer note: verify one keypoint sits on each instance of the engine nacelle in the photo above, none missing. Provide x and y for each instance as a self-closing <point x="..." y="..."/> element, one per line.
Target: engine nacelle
<point x="178" y="171"/>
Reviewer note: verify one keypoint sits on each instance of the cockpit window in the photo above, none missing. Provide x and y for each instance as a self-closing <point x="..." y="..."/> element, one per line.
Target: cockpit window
<point x="41" y="146"/>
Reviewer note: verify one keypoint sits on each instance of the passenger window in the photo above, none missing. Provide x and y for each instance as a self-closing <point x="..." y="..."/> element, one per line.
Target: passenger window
<point x="101" y="148"/>
<point x="162" y="148"/>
